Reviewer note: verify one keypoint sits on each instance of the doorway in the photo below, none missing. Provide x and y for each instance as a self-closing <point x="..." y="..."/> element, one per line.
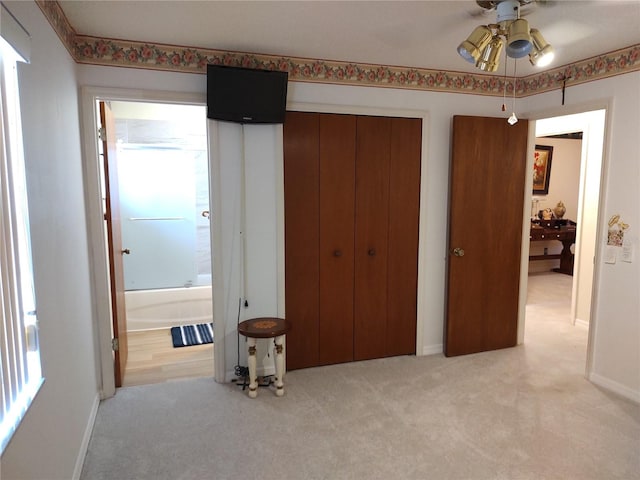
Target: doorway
<point x="577" y="144"/>
<point x="93" y="172"/>
<point x="162" y="195"/>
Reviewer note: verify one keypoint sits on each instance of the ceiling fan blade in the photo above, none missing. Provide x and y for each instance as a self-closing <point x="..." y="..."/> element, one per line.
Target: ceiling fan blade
<point x="487" y="7"/>
<point x="487" y="4"/>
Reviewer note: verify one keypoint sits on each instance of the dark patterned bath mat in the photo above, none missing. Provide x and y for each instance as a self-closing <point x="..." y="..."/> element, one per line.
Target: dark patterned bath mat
<point x="187" y="335"/>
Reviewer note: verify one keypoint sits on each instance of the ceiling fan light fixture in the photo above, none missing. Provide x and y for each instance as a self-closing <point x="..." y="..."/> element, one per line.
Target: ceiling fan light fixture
<point x="509" y="33"/>
<point x="473" y="46"/>
<point x="507" y="10"/>
<point x="542" y="53"/>
<point x="490" y="59"/>
<point x="519" y="41"/>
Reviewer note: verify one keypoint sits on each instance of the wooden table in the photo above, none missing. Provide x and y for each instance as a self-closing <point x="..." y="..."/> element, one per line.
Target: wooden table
<point x="565" y="234"/>
<point x="265" y="327"/>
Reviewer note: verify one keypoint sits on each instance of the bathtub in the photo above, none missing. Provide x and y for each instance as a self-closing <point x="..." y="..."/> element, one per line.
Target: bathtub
<point x="168" y="307"/>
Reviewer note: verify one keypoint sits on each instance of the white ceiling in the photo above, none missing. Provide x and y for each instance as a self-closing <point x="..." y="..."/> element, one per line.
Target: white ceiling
<point x="403" y="33"/>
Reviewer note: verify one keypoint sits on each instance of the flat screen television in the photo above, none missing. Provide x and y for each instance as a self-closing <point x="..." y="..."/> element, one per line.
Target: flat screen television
<point x="246" y="95"/>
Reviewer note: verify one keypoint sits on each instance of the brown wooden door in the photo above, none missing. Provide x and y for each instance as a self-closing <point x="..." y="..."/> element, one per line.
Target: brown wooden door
<point x="404" y="221"/>
<point x="337" y="214"/>
<point x="485" y="221"/>
<point x="351" y="236"/>
<point x="372" y="217"/>
<point x="301" y="212"/>
<point x="114" y="239"/>
<point x="387" y="219"/>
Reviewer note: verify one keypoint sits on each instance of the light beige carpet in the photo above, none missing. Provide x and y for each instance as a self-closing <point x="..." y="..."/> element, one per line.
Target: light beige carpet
<point x="520" y="413"/>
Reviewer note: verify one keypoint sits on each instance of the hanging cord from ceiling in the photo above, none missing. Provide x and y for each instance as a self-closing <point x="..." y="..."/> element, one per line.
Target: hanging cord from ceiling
<point x="513" y="119"/>
<point x="504" y="86"/>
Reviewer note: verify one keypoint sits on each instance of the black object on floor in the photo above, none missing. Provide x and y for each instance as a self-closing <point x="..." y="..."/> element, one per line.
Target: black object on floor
<point x="187" y="335"/>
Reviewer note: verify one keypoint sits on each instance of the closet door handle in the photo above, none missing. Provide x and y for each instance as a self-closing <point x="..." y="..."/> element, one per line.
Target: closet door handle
<point x="372" y="252"/>
<point x="337" y="253"/>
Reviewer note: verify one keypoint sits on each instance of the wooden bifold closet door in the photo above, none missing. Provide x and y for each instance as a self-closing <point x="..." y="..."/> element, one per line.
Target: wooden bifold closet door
<point x="351" y="236"/>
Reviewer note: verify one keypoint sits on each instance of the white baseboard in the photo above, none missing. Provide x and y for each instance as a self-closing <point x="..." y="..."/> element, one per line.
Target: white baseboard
<point x="615" y="387"/>
<point x="230" y="376"/>
<point x="581" y="323"/>
<point x="86" y="438"/>
<point x="432" y="349"/>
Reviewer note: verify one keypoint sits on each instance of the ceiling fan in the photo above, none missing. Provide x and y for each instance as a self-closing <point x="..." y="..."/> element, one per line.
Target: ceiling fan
<point x="526" y="6"/>
<point x="485" y="44"/>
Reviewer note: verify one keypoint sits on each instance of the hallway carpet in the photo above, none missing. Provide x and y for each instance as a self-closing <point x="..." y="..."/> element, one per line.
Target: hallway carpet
<point x="520" y="413"/>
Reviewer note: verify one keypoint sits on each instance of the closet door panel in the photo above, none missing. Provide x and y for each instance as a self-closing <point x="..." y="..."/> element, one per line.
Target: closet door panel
<point x="337" y="213"/>
<point x="372" y="216"/>
<point x="404" y="212"/>
<point x="301" y="190"/>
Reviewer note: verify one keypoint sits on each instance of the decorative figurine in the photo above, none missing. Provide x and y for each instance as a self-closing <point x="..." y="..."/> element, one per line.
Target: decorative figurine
<point x="559" y="210"/>
<point x="547" y="214"/>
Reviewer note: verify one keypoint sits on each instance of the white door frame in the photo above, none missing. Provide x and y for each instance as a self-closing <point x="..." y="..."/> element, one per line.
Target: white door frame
<point x="99" y="262"/>
<point x="606" y="105"/>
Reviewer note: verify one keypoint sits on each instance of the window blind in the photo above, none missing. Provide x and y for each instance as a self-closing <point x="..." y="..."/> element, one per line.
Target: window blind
<point x="20" y="371"/>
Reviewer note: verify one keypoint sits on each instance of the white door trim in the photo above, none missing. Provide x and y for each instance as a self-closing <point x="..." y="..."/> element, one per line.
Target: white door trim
<point x="606" y="105"/>
<point x="99" y="265"/>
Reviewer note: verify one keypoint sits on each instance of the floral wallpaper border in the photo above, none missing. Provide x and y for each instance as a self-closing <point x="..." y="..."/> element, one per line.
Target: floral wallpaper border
<point x="127" y="53"/>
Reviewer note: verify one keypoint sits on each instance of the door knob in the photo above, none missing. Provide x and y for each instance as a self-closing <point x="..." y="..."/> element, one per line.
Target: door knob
<point x="337" y="253"/>
<point x="126" y="251"/>
<point x="458" y="252"/>
<point x="372" y="252"/>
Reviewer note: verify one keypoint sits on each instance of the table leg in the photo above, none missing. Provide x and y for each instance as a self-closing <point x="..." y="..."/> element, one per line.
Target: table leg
<point x="251" y="360"/>
<point x="566" y="258"/>
<point x="279" y="357"/>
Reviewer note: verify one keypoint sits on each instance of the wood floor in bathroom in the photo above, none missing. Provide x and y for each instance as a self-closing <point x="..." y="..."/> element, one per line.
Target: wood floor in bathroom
<point x="153" y="359"/>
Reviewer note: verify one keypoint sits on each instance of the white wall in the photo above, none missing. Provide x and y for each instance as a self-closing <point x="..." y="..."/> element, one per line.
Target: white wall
<point x="616" y="344"/>
<point x="565" y="175"/>
<point x="50" y="441"/>
<point x="244" y="206"/>
<point x="615" y="331"/>
<point x="115" y="77"/>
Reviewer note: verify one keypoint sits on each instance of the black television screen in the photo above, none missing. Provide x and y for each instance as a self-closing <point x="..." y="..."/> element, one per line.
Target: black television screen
<point x="246" y="95"/>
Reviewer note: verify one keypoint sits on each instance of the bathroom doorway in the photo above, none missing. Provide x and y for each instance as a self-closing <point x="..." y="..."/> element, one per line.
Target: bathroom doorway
<point x="163" y="197"/>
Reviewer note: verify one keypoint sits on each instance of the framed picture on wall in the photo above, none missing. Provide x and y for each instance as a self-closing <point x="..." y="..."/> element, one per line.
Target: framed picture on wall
<point x="542" y="169"/>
